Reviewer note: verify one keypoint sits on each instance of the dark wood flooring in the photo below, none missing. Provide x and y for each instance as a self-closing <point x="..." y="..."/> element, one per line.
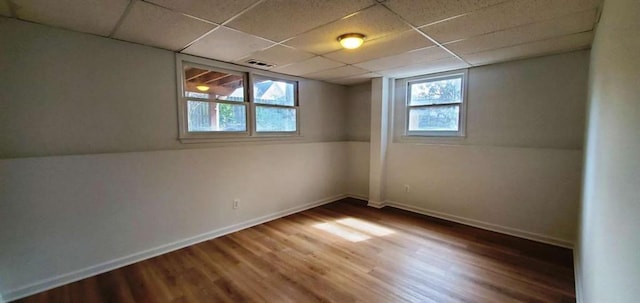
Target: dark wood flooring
<point x="341" y="252"/>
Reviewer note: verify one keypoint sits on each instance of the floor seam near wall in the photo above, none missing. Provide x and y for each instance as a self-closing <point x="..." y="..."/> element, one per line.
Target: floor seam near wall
<point x="90" y="271"/>
<point x="472" y="222"/>
<point x="63" y="279"/>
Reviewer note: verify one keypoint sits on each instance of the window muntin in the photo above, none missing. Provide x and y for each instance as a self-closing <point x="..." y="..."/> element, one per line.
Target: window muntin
<point x="435" y="106"/>
<point x="216" y="104"/>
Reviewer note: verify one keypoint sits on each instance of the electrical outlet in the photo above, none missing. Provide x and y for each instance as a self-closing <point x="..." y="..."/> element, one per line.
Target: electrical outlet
<point x="407" y="188"/>
<point x="236" y="203"/>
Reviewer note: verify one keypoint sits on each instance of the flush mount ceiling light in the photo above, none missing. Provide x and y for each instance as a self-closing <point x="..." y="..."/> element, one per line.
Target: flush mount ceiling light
<point x="202" y="87"/>
<point x="351" y="40"/>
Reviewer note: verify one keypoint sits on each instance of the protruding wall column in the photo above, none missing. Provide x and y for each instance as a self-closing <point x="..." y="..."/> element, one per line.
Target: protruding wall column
<point x="608" y="252"/>
<point x="380" y="100"/>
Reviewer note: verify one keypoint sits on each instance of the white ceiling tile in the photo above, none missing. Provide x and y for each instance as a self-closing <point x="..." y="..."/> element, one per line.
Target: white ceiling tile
<point x="385" y="46"/>
<point x="504" y="16"/>
<point x="312" y="65"/>
<point x="357" y="79"/>
<point x="278" y="55"/>
<point x="574" y="23"/>
<point x="90" y="16"/>
<point x="281" y="19"/>
<point x="340" y="72"/>
<point x="544" y="47"/>
<point x="213" y="10"/>
<point x="227" y="44"/>
<point x="412" y="57"/>
<point x="442" y="65"/>
<point x="421" y="12"/>
<point x="374" y="22"/>
<point x="152" y="25"/>
<point x="4" y="9"/>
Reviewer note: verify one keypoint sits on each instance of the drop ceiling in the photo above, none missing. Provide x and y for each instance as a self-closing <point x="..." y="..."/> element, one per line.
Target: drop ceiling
<point x="404" y="37"/>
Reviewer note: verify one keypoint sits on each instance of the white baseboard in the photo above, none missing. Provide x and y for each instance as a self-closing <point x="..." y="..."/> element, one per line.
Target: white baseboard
<point x="358" y="196"/>
<point x="376" y="204"/>
<point x="74" y="276"/>
<point x="577" y="273"/>
<point x="71" y="277"/>
<point x="483" y="225"/>
<point x="471" y="222"/>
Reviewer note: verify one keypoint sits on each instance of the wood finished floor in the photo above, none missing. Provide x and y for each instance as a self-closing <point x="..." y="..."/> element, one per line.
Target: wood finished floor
<point x="341" y="252"/>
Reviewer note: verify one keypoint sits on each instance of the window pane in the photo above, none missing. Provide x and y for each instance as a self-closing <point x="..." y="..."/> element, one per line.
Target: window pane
<point x="436" y="92"/>
<point x="275" y="92"/>
<point x="215" y="117"/>
<point x="275" y="119"/>
<point x="434" y="118"/>
<point x="211" y="84"/>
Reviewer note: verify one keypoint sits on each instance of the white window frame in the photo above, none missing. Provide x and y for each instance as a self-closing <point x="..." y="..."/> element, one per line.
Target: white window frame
<point x="405" y="94"/>
<point x="186" y="136"/>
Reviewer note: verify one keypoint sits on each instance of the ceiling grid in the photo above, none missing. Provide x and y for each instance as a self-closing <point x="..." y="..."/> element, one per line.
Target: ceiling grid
<point x="404" y="37"/>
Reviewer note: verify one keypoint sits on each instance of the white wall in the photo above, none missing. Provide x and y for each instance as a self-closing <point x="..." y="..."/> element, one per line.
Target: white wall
<point x="93" y="177"/>
<point x="529" y="192"/>
<point x="358" y="169"/>
<point x="62" y="214"/>
<point x="519" y="168"/>
<point x="608" y="255"/>
<point x="358" y="128"/>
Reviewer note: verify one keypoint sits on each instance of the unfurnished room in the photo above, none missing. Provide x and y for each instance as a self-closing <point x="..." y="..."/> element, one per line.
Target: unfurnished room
<point x="320" y="151"/>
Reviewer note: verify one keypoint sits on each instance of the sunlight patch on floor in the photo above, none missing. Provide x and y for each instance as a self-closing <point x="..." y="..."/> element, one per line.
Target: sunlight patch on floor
<point x="354" y="230"/>
<point x="366" y="227"/>
<point x="342" y="232"/>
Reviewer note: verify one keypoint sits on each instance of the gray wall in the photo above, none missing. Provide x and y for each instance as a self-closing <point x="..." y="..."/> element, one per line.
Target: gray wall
<point x="518" y="170"/>
<point x="533" y="103"/>
<point x="67" y="93"/>
<point x="609" y="253"/>
<point x="359" y="112"/>
<point x="92" y="176"/>
<point x="64" y="93"/>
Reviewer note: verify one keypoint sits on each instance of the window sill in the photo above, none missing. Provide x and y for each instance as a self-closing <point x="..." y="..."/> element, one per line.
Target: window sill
<point x="440" y="139"/>
<point x="259" y="138"/>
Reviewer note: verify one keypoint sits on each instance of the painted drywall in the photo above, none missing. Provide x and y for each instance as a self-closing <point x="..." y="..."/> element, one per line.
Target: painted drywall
<point x="60" y="215"/>
<point x="380" y="124"/>
<point x="528" y="192"/>
<point x="359" y="133"/>
<point x="359" y="112"/>
<point x="518" y="170"/>
<point x="93" y="176"/>
<point x="536" y="103"/>
<point x="609" y="268"/>
<point x="64" y="93"/>
<point x="63" y="214"/>
<point x="358" y="169"/>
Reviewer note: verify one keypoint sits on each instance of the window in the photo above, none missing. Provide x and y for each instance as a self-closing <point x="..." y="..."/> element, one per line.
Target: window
<point x="275" y="103"/>
<point x="216" y="102"/>
<point x="435" y="106"/>
<point x="215" y="99"/>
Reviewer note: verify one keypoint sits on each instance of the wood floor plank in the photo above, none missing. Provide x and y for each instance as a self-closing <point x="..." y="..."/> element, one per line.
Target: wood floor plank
<point x="341" y="252"/>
